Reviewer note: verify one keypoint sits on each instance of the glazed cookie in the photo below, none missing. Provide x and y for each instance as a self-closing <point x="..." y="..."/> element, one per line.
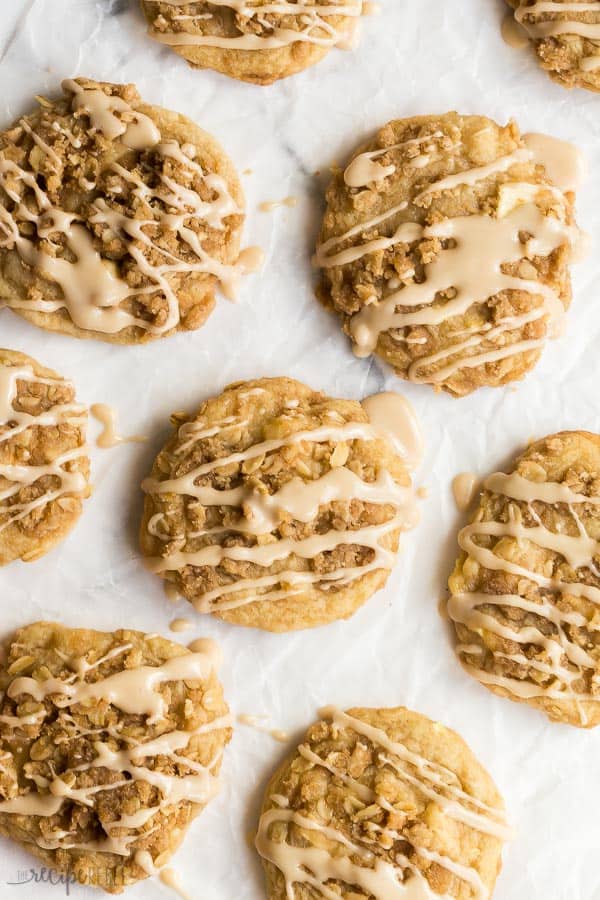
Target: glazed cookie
<point x="525" y="590"/>
<point x="278" y="507"/>
<point x="566" y="37"/>
<point x="445" y="248"/>
<point x="117" y="219"/>
<point x="44" y="467"/>
<point x="111" y="744"/>
<point x="381" y="803"/>
<point x="253" y="40"/>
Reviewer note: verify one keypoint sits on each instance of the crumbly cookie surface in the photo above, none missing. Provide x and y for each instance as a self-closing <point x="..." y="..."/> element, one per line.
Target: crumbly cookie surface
<point x="253" y="41"/>
<point x="444" y="249"/>
<point x="111" y="743"/>
<point x="525" y="590"/>
<point x="377" y="803"/>
<point x="276" y="507"/>
<point x="117" y="219"/>
<point x="566" y="39"/>
<point x="44" y="467"/>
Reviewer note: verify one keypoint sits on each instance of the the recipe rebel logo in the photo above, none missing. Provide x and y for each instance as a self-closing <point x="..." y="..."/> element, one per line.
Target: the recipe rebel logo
<point x="64" y="879"/>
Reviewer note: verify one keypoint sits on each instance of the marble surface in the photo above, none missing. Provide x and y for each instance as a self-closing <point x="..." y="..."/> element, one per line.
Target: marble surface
<point x="416" y="57"/>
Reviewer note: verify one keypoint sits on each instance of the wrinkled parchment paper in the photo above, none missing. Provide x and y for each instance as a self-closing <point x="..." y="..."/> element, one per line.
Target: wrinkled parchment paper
<point x="417" y="57"/>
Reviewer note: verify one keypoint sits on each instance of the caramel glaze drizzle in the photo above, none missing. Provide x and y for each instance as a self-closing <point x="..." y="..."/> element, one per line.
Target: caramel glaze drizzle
<point x="314" y="20"/>
<point x="472" y="265"/>
<point x="561" y="663"/>
<point x="391" y="417"/>
<point x="66" y="480"/>
<point x="560" y="24"/>
<point x="95" y="298"/>
<point x="134" y="691"/>
<point x="355" y="862"/>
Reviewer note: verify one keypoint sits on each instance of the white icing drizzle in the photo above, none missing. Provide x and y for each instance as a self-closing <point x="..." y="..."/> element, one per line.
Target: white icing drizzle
<point x="300" y="500"/>
<point x="109" y="437"/>
<point x="590" y="63"/>
<point x="566" y="165"/>
<point x="394" y="416"/>
<point x="563" y="661"/>
<point x="514" y="34"/>
<point x="470" y="266"/>
<point x="208" y="646"/>
<point x="13" y="422"/>
<point x="95" y="298"/>
<point x="477" y="173"/>
<point x="271" y="205"/>
<point x="365" y="168"/>
<point x="250" y="721"/>
<point x="314" y="21"/>
<point x="402" y="880"/>
<point x="170" y="877"/>
<point x="133" y="691"/>
<point x="178" y="625"/>
<point x="464" y="488"/>
<point x="136" y="130"/>
<point x="561" y="24"/>
<point x="526" y="14"/>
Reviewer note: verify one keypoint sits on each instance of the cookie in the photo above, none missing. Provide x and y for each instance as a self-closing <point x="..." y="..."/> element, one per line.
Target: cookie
<point x="525" y="590"/>
<point x="278" y="507"/>
<point x="566" y="38"/>
<point x="111" y="744"/>
<point x="44" y="467"/>
<point x="259" y="41"/>
<point x="117" y="219"/>
<point x="381" y="803"/>
<point x="445" y="249"/>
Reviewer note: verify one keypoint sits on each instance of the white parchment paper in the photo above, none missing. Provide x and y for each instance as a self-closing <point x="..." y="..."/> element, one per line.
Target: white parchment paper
<point x="418" y="56"/>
